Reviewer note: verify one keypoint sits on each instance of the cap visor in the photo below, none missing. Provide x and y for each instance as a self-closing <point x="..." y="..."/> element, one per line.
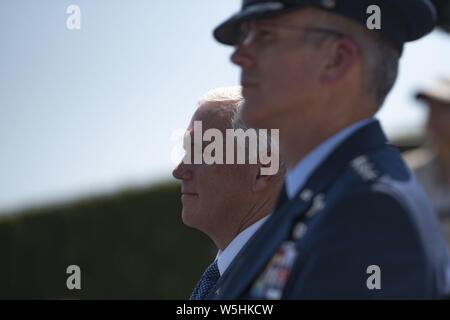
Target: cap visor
<point x="228" y="31"/>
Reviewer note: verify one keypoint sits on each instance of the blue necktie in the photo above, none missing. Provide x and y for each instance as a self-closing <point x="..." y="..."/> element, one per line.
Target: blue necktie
<point x="206" y="282"/>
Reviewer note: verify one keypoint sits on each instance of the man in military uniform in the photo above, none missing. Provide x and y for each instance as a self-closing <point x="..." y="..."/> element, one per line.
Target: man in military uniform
<point x="431" y="164"/>
<point x="351" y="221"/>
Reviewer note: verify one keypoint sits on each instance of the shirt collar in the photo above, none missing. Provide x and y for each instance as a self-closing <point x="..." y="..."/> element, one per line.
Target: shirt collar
<point x="225" y="257"/>
<point x="296" y="177"/>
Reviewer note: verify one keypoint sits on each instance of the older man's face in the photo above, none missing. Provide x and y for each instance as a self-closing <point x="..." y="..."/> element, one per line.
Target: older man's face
<point x="279" y="71"/>
<point x="212" y="194"/>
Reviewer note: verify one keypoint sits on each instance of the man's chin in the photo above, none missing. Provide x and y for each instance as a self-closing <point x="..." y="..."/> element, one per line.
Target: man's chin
<point x="188" y="218"/>
<point x="253" y="116"/>
<point x="249" y="110"/>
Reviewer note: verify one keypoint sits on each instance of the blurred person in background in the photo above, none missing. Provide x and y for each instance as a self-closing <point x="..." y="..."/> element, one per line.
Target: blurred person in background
<point x="431" y="164"/>
<point x="227" y="202"/>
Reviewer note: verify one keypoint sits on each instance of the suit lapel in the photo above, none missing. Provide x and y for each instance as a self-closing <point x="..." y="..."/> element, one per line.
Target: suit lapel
<point x="268" y="238"/>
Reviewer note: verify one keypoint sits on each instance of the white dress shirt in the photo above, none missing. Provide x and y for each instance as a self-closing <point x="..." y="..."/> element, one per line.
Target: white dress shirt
<point x="296" y="177"/>
<point x="225" y="257"/>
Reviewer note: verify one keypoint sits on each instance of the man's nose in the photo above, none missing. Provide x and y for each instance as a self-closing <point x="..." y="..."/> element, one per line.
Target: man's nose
<point x="182" y="172"/>
<point x="243" y="56"/>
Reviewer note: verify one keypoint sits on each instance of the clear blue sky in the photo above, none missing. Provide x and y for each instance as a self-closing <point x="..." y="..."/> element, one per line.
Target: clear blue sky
<point x="93" y="110"/>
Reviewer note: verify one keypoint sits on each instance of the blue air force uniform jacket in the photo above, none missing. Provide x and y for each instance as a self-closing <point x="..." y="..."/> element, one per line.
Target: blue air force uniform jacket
<point x="360" y="228"/>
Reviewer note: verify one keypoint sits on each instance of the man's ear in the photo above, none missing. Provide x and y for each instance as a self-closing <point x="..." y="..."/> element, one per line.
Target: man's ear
<point x="342" y="57"/>
<point x="262" y="182"/>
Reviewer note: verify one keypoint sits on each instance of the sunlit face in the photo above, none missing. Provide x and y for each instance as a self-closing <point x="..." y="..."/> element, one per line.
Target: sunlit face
<point x="439" y="122"/>
<point x="212" y="194"/>
<point x="279" y="72"/>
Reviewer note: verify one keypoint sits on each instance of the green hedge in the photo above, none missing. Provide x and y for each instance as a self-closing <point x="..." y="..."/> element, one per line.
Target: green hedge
<point x="130" y="245"/>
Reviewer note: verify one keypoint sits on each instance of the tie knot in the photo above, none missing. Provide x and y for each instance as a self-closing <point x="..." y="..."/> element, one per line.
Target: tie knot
<point x="206" y="282"/>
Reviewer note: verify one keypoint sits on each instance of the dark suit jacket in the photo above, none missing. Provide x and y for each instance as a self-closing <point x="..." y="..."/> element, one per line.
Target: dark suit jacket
<point x="361" y="207"/>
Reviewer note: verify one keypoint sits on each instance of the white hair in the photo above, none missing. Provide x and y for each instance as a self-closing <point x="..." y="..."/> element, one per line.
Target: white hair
<point x="232" y="99"/>
<point x="223" y="94"/>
